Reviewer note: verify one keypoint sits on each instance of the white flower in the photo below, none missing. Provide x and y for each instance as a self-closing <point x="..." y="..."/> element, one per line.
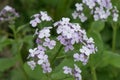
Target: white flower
<point x="42" y="58"/>
<point x="82" y="17"/>
<point x="76" y="57"/>
<point x="77" y="72"/>
<point x="44" y="16"/>
<point x="46" y="67"/>
<point x="32" y="52"/>
<point x="8" y="8"/>
<point x="68" y="32"/>
<point x="67" y="70"/>
<point x="79" y="6"/>
<point x="85" y="50"/>
<point x="75" y="15"/>
<point x="45" y="32"/>
<point x="33" y="23"/>
<point x="49" y="43"/>
<point x="115" y="17"/>
<point x="96" y="17"/>
<point x="32" y="64"/>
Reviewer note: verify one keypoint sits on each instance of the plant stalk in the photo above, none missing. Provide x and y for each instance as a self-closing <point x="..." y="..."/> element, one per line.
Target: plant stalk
<point x="114" y="38"/>
<point x="93" y="72"/>
<point x="57" y="53"/>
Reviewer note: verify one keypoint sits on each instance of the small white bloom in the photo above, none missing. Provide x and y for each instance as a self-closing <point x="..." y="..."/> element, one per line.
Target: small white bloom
<point x="32" y="64"/>
<point x="115" y="17"/>
<point x="75" y="15"/>
<point x="79" y="7"/>
<point x="82" y="17"/>
<point x="44" y="16"/>
<point x="32" y="52"/>
<point x="85" y="50"/>
<point x="8" y="8"/>
<point x="45" y="32"/>
<point x="67" y="70"/>
<point x="42" y="58"/>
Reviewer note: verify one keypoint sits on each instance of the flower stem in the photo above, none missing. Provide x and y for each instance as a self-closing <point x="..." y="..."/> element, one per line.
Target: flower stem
<point x="57" y="53"/>
<point x="93" y="72"/>
<point x="48" y="76"/>
<point x="114" y="37"/>
<point x="20" y="65"/>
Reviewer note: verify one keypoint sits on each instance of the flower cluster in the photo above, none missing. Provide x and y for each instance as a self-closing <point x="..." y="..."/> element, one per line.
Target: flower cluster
<point x="43" y="42"/>
<point x="39" y="57"/>
<point x="8" y="13"/>
<point x="85" y="51"/>
<point x="79" y="12"/>
<point x="71" y="33"/>
<point x="100" y="9"/>
<point x="75" y="72"/>
<point x="68" y="33"/>
<point x="38" y="18"/>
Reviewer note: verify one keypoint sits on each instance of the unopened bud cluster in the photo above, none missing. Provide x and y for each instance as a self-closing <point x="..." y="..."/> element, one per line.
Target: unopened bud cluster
<point x="8" y="13"/>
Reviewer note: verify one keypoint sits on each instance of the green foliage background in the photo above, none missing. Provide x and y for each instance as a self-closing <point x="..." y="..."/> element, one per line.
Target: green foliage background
<point x="15" y="42"/>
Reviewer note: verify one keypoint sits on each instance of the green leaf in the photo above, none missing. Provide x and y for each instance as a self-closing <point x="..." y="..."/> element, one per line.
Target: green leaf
<point x="69" y="79"/>
<point x="6" y="63"/>
<point x="58" y="71"/>
<point x="17" y="74"/>
<point x="16" y="46"/>
<point x="4" y="42"/>
<point x="95" y="58"/>
<point x="21" y="27"/>
<point x="97" y="26"/>
<point x="111" y="58"/>
<point x="36" y="74"/>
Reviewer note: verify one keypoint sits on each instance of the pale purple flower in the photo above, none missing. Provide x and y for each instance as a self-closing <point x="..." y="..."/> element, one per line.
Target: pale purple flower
<point x="69" y="47"/>
<point x="41" y="48"/>
<point x="44" y="33"/>
<point x="76" y="72"/>
<point x="46" y="67"/>
<point x="75" y="15"/>
<point x="42" y="58"/>
<point x="35" y="22"/>
<point x="79" y="7"/>
<point x="70" y="33"/>
<point x="39" y="57"/>
<point x="33" y="52"/>
<point x="32" y="64"/>
<point x="82" y="17"/>
<point x="100" y="9"/>
<point x="67" y="70"/>
<point x="8" y="14"/>
<point x="44" y="16"/>
<point x="81" y="57"/>
<point x="49" y="43"/>
<point x="115" y="14"/>
<point x="106" y="3"/>
<point x="38" y="18"/>
<point x="115" y="17"/>
<point x="85" y="50"/>
<point x="8" y="8"/>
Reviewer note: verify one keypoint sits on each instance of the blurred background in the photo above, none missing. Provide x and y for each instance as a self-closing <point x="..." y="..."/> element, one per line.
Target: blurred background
<point x="15" y="43"/>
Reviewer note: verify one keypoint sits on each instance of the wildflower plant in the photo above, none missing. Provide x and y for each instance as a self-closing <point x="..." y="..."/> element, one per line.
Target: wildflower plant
<point x="8" y="14"/>
<point x="69" y="34"/>
<point x="74" y="44"/>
